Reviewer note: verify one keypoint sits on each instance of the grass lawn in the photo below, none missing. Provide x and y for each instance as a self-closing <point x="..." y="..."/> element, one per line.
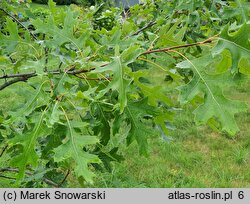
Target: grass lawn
<point x="34" y="6"/>
<point x="196" y="157"/>
<point x="45" y="6"/>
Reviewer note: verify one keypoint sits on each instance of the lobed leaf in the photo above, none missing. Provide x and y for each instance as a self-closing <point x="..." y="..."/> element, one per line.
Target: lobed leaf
<point x="237" y="43"/>
<point x="72" y="148"/>
<point x="215" y="103"/>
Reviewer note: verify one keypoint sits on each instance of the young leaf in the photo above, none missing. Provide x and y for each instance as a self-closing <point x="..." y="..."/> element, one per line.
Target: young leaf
<point x="118" y="83"/>
<point x="118" y="66"/>
<point x="60" y="36"/>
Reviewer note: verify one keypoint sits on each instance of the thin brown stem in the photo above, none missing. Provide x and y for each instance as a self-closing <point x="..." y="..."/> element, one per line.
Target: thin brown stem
<point x="24" y="77"/>
<point x="7" y="177"/>
<point x="150" y="24"/>
<point x="19" y="22"/>
<point x="13" y="81"/>
<point x="66" y="176"/>
<point x="210" y="40"/>
<point x="3" y="150"/>
<point x="94" y="79"/>
<point x="17" y="75"/>
<point x="14" y="170"/>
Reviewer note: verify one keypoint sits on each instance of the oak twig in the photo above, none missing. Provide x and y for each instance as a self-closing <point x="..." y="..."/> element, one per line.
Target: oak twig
<point x="7" y="169"/>
<point x="93" y="79"/>
<point x="210" y="40"/>
<point x="66" y="176"/>
<point x="150" y="24"/>
<point x="25" y="76"/>
<point x="19" y="22"/>
<point x="3" y="150"/>
<point x="6" y="76"/>
<point x="6" y="177"/>
<point x="13" y="81"/>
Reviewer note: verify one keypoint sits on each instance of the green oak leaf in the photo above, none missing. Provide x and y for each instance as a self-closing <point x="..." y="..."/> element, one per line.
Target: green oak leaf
<point x="102" y="127"/>
<point x="60" y="36"/>
<point x="130" y="54"/>
<point x="72" y="148"/>
<point x="211" y="85"/>
<point x="52" y="6"/>
<point x="154" y="93"/>
<point x="54" y="116"/>
<point x="169" y="35"/>
<point x="161" y="120"/>
<point x="189" y="5"/>
<point x="35" y="100"/>
<point x="9" y="42"/>
<point x="244" y="67"/>
<point x="28" y="140"/>
<point x="110" y="156"/>
<point x="237" y="43"/>
<point x="140" y="131"/>
<point x="118" y="83"/>
<point x="237" y="8"/>
<point x="117" y="67"/>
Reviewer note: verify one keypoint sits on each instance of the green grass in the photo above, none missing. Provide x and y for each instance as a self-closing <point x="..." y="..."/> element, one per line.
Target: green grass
<point x="45" y="6"/>
<point x="197" y="157"/>
<point x="34" y="6"/>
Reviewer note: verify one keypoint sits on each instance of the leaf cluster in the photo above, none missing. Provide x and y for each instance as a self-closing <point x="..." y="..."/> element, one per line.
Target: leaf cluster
<point x="87" y="93"/>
